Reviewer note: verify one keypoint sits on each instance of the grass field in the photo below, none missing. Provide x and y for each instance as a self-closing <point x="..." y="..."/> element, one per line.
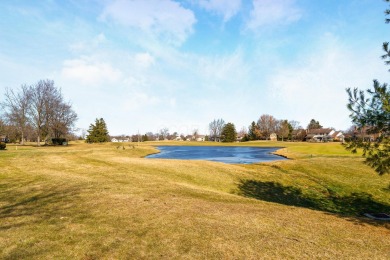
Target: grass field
<point x="99" y="202"/>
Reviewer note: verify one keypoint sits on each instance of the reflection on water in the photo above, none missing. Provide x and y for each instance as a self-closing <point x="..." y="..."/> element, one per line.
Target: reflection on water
<point x="225" y="154"/>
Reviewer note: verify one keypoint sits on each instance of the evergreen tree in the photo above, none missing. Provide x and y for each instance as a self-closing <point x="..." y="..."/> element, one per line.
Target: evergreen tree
<point x="372" y="116"/>
<point x="98" y="133"/>
<point x="229" y="133"/>
<point x="145" y="138"/>
<point x="254" y="132"/>
<point x="314" y="125"/>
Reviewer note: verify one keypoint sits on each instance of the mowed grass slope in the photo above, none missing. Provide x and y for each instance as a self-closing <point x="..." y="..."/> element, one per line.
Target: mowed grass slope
<point x="96" y="201"/>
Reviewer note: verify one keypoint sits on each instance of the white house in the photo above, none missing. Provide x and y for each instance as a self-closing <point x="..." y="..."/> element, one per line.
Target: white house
<point x="3" y="139"/>
<point x="200" y="138"/>
<point x="338" y="136"/>
<point x="273" y="137"/>
<point x="320" y="135"/>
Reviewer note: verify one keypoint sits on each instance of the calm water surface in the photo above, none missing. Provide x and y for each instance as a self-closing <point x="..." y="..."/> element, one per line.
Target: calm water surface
<point x="225" y="154"/>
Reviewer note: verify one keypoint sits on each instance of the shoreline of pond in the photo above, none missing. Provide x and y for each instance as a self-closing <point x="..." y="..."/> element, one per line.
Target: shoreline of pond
<point x="224" y="154"/>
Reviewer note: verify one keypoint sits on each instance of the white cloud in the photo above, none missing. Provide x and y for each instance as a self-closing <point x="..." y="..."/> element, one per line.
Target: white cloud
<point x="138" y="100"/>
<point x="225" y="8"/>
<point x="163" y="18"/>
<point x="89" y="71"/>
<point x="88" y="45"/>
<point x="144" y="59"/>
<point x="314" y="86"/>
<point x="273" y="12"/>
<point x="221" y="72"/>
<point x="101" y="38"/>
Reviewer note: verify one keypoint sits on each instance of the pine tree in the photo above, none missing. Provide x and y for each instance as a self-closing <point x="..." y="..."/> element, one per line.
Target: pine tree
<point x="98" y="133"/>
<point x="254" y="132"/>
<point x="145" y="138"/>
<point x="314" y="125"/>
<point x="372" y="115"/>
<point x="229" y="133"/>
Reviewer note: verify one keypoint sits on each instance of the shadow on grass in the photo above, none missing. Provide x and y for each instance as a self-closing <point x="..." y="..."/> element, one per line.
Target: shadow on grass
<point x="352" y="205"/>
<point x="43" y="205"/>
<point x="37" y="213"/>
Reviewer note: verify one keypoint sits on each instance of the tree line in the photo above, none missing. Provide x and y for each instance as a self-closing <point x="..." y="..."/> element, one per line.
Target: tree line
<point x="219" y="131"/>
<point x="36" y="112"/>
<point x="261" y="130"/>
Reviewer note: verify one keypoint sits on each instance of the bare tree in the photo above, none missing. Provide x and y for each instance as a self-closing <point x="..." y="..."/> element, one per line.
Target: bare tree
<point x="267" y="125"/>
<point x="295" y="124"/>
<point x="164" y="133"/>
<point x="242" y="132"/>
<point x="39" y="105"/>
<point x="195" y="134"/>
<point x="53" y="110"/>
<point x="284" y="129"/>
<point x="48" y="113"/>
<point x="215" y="128"/>
<point x="220" y="126"/>
<point x="2" y="126"/>
<point x="62" y="119"/>
<point x="150" y="136"/>
<point x="16" y="106"/>
<point x="83" y="133"/>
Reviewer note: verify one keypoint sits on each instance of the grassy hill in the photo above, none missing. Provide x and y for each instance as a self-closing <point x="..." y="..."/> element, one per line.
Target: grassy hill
<point x="97" y="201"/>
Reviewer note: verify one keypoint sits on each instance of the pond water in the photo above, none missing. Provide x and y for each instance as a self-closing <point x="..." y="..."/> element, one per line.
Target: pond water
<point x="225" y="154"/>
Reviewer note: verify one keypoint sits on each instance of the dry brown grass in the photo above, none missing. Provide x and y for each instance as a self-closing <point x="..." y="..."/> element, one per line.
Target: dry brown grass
<point x="96" y="201"/>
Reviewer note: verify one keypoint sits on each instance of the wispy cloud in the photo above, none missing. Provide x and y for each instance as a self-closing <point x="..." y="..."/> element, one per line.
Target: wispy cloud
<point x="225" y="8"/>
<point x="273" y="12"/>
<point x="89" y="71"/>
<point x="165" y="19"/>
<point x="314" y="85"/>
<point x="145" y="59"/>
<point x="89" y="45"/>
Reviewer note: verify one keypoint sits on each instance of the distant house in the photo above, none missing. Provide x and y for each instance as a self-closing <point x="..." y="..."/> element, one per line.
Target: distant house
<point x="178" y="138"/>
<point x="120" y="139"/>
<point x="196" y="138"/>
<point x="320" y="135"/>
<point x="4" y="139"/>
<point x="200" y="138"/>
<point x="240" y="136"/>
<point x="273" y="137"/>
<point x="338" y="136"/>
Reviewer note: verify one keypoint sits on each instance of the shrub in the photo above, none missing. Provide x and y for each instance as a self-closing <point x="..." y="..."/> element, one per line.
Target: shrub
<point x="245" y="138"/>
<point x="2" y="146"/>
<point x="58" y="141"/>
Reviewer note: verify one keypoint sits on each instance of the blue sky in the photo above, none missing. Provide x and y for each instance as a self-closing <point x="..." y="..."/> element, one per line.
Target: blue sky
<point x="144" y="65"/>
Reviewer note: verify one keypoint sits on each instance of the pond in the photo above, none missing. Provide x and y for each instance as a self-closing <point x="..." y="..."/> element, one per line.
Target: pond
<point x="225" y="154"/>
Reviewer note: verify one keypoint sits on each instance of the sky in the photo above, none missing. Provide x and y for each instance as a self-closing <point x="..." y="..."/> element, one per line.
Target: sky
<point x="145" y="65"/>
